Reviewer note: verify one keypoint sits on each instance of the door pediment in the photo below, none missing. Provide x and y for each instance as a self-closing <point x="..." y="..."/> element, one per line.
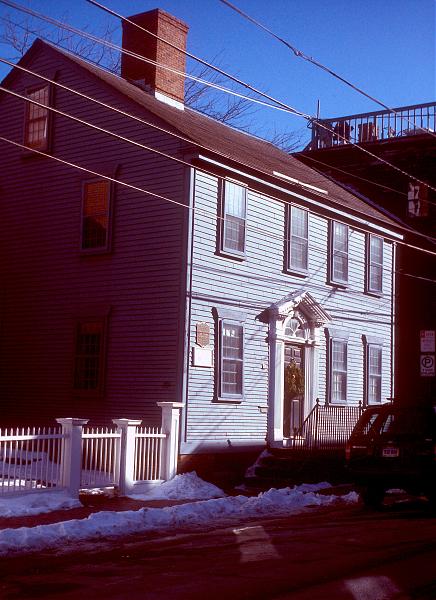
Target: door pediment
<point x="305" y="303"/>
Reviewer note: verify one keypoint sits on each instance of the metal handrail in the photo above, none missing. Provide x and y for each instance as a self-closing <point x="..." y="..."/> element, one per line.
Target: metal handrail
<point x="327" y="426"/>
<point x="374" y="126"/>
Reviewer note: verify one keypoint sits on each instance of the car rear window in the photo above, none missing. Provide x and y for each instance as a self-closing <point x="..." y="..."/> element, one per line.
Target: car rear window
<point x="365" y="423"/>
<point x="406" y="422"/>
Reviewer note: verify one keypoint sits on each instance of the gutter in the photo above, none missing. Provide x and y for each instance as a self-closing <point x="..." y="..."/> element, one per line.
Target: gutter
<point x="363" y="222"/>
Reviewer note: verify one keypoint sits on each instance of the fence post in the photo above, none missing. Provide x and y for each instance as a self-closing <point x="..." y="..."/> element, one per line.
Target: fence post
<point x="71" y="455"/>
<point x="127" y="429"/>
<point x="316" y="422"/>
<point x="170" y="426"/>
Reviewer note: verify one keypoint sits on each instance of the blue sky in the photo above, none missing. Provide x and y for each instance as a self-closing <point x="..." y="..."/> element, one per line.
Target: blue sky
<point x="386" y="47"/>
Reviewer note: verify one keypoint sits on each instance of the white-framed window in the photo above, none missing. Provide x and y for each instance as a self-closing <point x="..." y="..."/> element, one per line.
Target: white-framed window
<point x="338" y="255"/>
<point x="231" y="359"/>
<point x="339" y="371"/>
<point x="36" y="122"/>
<point x="337" y="366"/>
<point x="234" y="211"/>
<point x="374" y="264"/>
<point x="298" y="240"/>
<point x="230" y="342"/>
<point x="373" y="375"/>
<point x="96" y="213"/>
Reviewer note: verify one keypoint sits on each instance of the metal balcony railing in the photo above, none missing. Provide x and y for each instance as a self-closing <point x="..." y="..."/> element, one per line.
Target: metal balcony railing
<point x="371" y="127"/>
<point x="327" y="427"/>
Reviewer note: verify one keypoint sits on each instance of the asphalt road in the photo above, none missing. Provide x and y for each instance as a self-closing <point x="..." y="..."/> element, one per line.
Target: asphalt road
<point x="325" y="554"/>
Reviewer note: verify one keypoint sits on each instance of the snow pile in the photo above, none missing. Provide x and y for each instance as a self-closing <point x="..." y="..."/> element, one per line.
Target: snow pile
<point x="205" y="514"/>
<point x="313" y="487"/>
<point x="37" y="503"/>
<point x="187" y="486"/>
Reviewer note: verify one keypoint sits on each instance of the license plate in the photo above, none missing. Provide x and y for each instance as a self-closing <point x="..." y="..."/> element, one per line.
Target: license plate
<point x="390" y="452"/>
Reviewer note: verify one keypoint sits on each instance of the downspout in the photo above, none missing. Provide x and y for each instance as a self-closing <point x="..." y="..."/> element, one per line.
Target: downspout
<point x="188" y="301"/>
<point x="394" y="295"/>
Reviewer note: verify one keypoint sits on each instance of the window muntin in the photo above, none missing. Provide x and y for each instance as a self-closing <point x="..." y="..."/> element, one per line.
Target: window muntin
<point x="339" y="253"/>
<point x="374" y="374"/>
<point x="234" y="218"/>
<point x="37" y="119"/>
<point x="88" y="364"/>
<point x="375" y="264"/>
<point x="338" y="371"/>
<point x="232" y="359"/>
<point x="298" y="240"/>
<point x="95" y="215"/>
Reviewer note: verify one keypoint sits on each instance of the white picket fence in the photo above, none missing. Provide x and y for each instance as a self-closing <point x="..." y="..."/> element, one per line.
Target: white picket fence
<point x="73" y="456"/>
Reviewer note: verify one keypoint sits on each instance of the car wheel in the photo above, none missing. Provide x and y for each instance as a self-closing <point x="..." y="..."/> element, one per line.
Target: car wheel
<point x="373" y="495"/>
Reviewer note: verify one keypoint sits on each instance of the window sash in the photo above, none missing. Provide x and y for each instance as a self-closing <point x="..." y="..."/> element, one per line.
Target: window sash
<point x="88" y="363"/>
<point x="375" y="264"/>
<point x="338" y="371"/>
<point x="234" y="218"/>
<point x="339" y="252"/>
<point x="37" y="117"/>
<point x="298" y="240"/>
<point x="95" y="215"/>
<point x="374" y="373"/>
<point x="232" y="359"/>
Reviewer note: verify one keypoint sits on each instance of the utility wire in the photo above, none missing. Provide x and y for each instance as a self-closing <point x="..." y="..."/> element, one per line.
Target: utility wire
<point x="208" y="213"/>
<point x="300" y="54"/>
<point x="142" y="121"/>
<point x="281" y="105"/>
<point x="119" y="136"/>
<point x="278" y="104"/>
<point x="148" y="148"/>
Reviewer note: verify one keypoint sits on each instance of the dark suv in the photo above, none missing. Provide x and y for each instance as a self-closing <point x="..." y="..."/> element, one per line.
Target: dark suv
<point x="394" y="446"/>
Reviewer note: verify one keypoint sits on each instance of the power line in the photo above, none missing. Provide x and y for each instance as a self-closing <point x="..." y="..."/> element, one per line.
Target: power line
<point x="281" y="105"/>
<point x="148" y="148"/>
<point x="300" y="54"/>
<point x="320" y="162"/>
<point x="56" y="83"/>
<point x="278" y="104"/>
<point x="207" y="213"/>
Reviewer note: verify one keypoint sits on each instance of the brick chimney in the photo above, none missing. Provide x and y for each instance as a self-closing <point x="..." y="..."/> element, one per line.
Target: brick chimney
<point x="163" y="84"/>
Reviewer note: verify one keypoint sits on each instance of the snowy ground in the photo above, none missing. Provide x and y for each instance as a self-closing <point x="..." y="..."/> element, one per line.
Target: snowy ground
<point x="210" y="508"/>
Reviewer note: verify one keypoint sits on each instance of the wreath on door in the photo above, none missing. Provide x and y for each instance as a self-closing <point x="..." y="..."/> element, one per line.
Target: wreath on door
<point x="294" y="381"/>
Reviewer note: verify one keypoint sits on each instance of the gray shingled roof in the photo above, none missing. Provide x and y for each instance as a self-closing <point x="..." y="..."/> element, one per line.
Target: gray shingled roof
<point x="229" y="143"/>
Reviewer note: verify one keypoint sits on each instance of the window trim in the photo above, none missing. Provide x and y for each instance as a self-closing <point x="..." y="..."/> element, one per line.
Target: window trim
<point x="46" y="146"/>
<point x="99" y="389"/>
<point x="223" y="249"/>
<point x="370" y="263"/>
<point x="332" y="252"/>
<point x="371" y="343"/>
<point x="289" y="267"/>
<point x="108" y="245"/>
<point x="333" y="336"/>
<point x="233" y="317"/>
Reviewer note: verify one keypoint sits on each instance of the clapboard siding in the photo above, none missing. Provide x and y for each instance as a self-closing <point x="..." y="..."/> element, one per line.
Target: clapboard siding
<point x="48" y="284"/>
<point x="253" y="284"/>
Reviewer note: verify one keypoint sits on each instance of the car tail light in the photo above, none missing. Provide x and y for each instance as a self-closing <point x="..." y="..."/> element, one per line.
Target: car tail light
<point x="348" y="451"/>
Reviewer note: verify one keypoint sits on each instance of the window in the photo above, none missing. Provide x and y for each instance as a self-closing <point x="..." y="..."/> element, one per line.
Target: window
<point x="338" y="253"/>
<point x="234" y="218"/>
<point x="338" y="371"/>
<point x="231" y="360"/>
<point x="95" y="215"/>
<point x="37" y="119"/>
<point x="373" y="375"/>
<point x="89" y="356"/>
<point x="298" y="240"/>
<point x="374" y="264"/>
